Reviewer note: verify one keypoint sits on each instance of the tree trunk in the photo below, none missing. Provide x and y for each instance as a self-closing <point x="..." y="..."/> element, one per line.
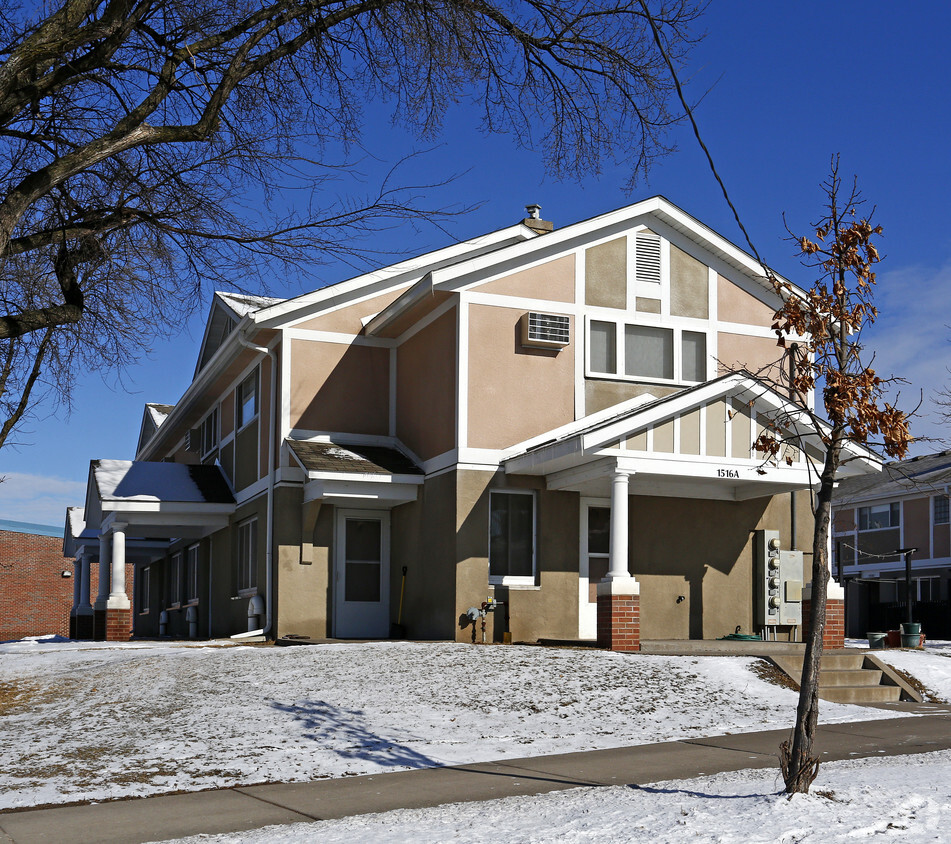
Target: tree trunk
<point x="799" y="766"/>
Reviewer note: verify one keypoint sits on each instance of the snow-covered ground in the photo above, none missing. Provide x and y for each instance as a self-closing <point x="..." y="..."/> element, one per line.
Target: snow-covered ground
<point x="907" y="798"/>
<point x="93" y="721"/>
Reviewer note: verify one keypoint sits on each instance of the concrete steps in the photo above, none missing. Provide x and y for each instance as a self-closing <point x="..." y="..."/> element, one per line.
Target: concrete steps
<point x="848" y="676"/>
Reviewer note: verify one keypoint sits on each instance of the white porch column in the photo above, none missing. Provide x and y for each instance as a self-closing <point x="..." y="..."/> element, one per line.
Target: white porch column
<point x="618" y="551"/>
<point x="105" y="558"/>
<point x="83" y="607"/>
<point x="118" y="600"/>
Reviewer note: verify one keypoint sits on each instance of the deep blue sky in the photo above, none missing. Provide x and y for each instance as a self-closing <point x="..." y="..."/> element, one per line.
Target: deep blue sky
<point x="789" y="85"/>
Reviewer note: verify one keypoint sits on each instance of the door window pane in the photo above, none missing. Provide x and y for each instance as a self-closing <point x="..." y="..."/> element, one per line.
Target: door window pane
<point x="694" y="351"/>
<point x="363" y="560"/>
<point x="603" y="347"/>
<point x="648" y="351"/>
<point x="599" y="530"/>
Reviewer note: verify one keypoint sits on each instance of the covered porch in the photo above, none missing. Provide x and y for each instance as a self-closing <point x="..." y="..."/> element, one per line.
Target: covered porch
<point x="134" y="513"/>
<point x="672" y="491"/>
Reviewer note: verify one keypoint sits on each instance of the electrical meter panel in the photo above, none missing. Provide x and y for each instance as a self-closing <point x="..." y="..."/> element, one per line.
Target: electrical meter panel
<point x="778" y="582"/>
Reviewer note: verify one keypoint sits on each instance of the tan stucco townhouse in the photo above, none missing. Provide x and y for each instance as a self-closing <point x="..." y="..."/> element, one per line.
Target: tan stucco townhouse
<point x="538" y="416"/>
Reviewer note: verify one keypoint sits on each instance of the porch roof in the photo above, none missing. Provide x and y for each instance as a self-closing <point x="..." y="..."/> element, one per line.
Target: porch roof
<point x="697" y="443"/>
<point x="356" y="473"/>
<point x="156" y="500"/>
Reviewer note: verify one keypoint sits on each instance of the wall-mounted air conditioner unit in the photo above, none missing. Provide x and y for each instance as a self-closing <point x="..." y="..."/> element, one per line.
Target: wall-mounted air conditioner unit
<point x="546" y="331"/>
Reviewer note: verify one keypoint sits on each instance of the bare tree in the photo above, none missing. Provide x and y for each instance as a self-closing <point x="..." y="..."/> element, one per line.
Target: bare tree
<point x="827" y="324"/>
<point x="145" y="144"/>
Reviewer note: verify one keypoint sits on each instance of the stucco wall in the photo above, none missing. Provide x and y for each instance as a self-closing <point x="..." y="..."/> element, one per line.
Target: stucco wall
<point x="554" y="281"/>
<point x="348" y="320"/>
<point x="426" y="388"/>
<point x="734" y="304"/>
<point x="302" y="557"/>
<point x="514" y="393"/>
<point x="605" y="275"/>
<point x="600" y="394"/>
<point x="710" y="564"/>
<point x="689" y="285"/>
<point x="336" y="387"/>
<point x="424" y="540"/>
<point x="916" y="514"/>
<point x="548" y="610"/>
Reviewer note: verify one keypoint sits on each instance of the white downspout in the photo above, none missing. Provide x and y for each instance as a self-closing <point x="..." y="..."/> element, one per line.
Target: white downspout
<point x="269" y="541"/>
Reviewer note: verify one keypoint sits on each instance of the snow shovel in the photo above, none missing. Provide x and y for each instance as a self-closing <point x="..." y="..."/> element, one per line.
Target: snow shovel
<point x="397" y="630"/>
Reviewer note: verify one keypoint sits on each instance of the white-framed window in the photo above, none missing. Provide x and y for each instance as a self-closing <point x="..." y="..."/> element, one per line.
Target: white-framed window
<point x="191" y="574"/>
<point x="175" y="580"/>
<point x="143" y="582"/>
<point x="512" y="537"/>
<point x="248" y="555"/>
<point x="209" y="433"/>
<point x="246" y="400"/>
<point x="646" y="352"/>
<point x="941" y="509"/>
<point x="928" y="589"/>
<point x="880" y="516"/>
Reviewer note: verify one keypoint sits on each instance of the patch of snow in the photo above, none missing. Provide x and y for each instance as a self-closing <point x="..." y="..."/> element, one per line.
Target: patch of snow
<point x="152" y="717"/>
<point x="127" y="480"/>
<point x="76" y="519"/>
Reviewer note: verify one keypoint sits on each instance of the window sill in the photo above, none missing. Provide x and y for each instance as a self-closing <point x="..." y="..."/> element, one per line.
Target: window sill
<point x="514" y="582"/>
<point x="640" y="379"/>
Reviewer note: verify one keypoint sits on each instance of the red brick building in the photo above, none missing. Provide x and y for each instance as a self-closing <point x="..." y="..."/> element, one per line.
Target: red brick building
<point x="36" y="581"/>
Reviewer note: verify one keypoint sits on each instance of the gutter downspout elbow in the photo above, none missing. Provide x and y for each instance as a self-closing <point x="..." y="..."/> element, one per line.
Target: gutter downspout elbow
<point x="269" y="541"/>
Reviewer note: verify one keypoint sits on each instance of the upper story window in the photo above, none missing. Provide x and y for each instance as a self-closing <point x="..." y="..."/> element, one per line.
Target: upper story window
<point x="512" y="537"/>
<point x="940" y="509"/>
<point x="880" y="516"/>
<point x="209" y="433"/>
<point x="246" y="400"/>
<point x="647" y="352"/>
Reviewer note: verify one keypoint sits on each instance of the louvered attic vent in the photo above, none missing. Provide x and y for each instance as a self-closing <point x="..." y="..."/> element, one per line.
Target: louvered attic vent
<point x="647" y="257"/>
<point x="546" y="331"/>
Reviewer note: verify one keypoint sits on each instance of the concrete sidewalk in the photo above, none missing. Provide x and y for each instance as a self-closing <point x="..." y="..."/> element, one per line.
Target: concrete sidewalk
<point x="251" y="807"/>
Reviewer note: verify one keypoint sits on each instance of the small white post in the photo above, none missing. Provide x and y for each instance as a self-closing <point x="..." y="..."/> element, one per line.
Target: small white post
<point x="118" y="600"/>
<point x="618" y="553"/>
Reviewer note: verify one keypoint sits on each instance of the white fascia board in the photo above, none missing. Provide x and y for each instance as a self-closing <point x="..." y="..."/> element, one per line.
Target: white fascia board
<point x="416" y="293"/>
<point x="355" y="491"/>
<point x="544" y="460"/>
<point x="392" y="275"/>
<point x="365" y="478"/>
<point x="199" y="385"/>
<point x="174" y="509"/>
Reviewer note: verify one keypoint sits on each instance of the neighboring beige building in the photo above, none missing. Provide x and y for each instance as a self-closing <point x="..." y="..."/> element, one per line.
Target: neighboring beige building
<point x="408" y="443"/>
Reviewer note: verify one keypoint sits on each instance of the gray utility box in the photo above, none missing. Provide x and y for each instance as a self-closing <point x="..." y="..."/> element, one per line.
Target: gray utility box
<point x="777" y="582"/>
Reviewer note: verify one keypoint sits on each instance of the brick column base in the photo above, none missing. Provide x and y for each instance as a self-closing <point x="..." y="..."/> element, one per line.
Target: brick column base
<point x="118" y="625"/>
<point x="619" y="615"/>
<point x="833" y="637"/>
<point x="99" y="624"/>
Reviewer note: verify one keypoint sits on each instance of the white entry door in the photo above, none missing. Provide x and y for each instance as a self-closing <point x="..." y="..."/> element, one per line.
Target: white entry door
<point x="362" y="575"/>
<point x="593" y="562"/>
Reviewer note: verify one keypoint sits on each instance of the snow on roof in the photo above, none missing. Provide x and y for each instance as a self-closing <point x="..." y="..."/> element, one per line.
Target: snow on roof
<point x="76" y="520"/>
<point x="127" y="480"/>
<point x="158" y="413"/>
<point x="244" y="303"/>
